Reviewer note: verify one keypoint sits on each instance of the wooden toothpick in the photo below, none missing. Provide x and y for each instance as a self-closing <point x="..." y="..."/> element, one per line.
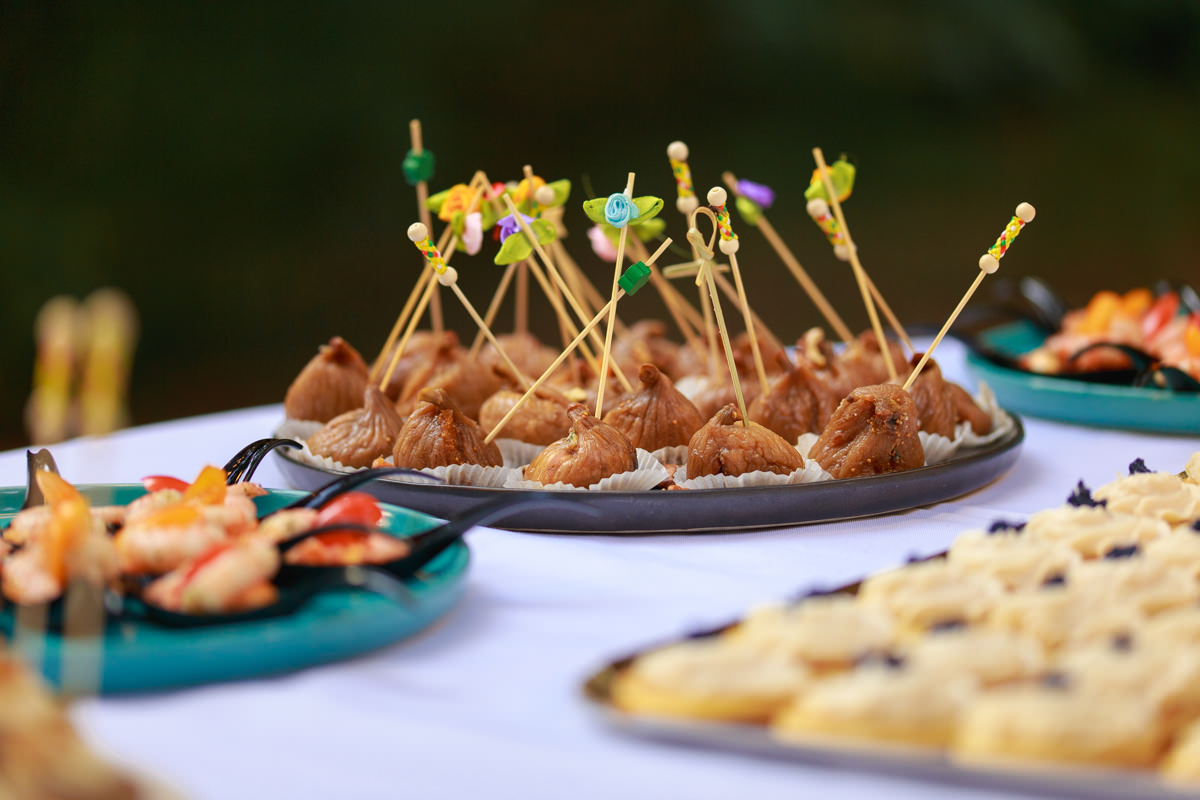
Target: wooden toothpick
<point x="859" y="274"/>
<point x="798" y="272"/>
<point x="989" y="262"/>
<point x="634" y="279"/>
<point x="418" y="148"/>
<point x="447" y="275"/>
<point x="612" y="303"/>
<point x="686" y="203"/>
<point x="706" y="276"/>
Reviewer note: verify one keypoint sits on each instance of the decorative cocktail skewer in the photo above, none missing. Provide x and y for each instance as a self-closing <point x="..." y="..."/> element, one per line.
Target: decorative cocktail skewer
<point x="619" y="210"/>
<point x="705" y="277"/>
<point x="717" y="198"/>
<point x="630" y="281"/>
<point x="418" y="169"/>
<point x="686" y="318"/>
<point x="567" y="294"/>
<point x="691" y="269"/>
<point x="989" y="262"/>
<point x="686" y="203"/>
<point x="818" y="209"/>
<point x="859" y="273"/>
<point x="447" y="275"/>
<point x="793" y="264"/>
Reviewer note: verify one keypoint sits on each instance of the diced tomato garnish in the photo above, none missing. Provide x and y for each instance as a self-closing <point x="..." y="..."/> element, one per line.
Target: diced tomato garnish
<point x="156" y="483"/>
<point x="358" y="508"/>
<point x="1191" y="334"/>
<point x="204" y="559"/>
<point x="1162" y="312"/>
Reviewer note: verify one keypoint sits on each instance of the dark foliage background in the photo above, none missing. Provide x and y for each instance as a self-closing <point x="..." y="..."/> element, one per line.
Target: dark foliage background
<point x="237" y="168"/>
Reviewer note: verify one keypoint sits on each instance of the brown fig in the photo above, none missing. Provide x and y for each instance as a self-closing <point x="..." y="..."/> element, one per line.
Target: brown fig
<point x="358" y="437"/>
<point x="724" y="446"/>
<point x="591" y="452"/>
<point x="799" y="402"/>
<point x="427" y="351"/>
<point x="717" y="393"/>
<point x="646" y="342"/>
<point x="967" y="409"/>
<point x="466" y="382"/>
<point x="542" y="419"/>
<point x="331" y="383"/>
<point x="658" y="415"/>
<point x="862" y="364"/>
<point x="935" y="409"/>
<point x="526" y="351"/>
<point x="437" y="434"/>
<point x="873" y="431"/>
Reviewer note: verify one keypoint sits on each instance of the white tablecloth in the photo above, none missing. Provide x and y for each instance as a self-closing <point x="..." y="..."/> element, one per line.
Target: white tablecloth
<point x="487" y="703"/>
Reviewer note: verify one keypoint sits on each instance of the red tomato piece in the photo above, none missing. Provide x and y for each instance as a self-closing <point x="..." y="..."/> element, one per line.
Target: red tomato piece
<point x="357" y="508"/>
<point x="1162" y="312"/>
<point x="156" y="483"/>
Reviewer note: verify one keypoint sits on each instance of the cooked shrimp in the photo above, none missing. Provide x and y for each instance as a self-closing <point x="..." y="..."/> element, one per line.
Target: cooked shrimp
<point x="226" y="578"/>
<point x="160" y="542"/>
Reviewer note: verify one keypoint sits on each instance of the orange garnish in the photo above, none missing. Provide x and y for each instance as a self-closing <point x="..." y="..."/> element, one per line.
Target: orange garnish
<point x="208" y="488"/>
<point x="1099" y="312"/>
<point x="54" y="488"/>
<point x="457" y="199"/>
<point x="522" y="192"/>
<point x="171" y="516"/>
<point x="1136" y="302"/>
<point x="71" y="521"/>
<point x="1191" y="336"/>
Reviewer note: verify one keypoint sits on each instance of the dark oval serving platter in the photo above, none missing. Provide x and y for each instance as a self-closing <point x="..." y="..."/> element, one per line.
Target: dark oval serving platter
<point x="708" y="510"/>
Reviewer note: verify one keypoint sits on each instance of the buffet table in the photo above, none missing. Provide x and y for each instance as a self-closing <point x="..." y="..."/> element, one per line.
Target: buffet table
<point x="487" y="702"/>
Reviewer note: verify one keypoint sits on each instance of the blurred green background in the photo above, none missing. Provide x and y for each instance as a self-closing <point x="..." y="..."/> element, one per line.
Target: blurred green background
<point x="237" y="168"/>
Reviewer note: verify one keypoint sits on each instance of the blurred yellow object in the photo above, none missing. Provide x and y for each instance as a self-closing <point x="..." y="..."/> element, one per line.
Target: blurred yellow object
<point x="47" y="413"/>
<point x="92" y="343"/>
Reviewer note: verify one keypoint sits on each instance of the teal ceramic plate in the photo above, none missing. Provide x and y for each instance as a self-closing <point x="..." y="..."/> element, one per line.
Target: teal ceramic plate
<point x="140" y="656"/>
<point x="1095" y="404"/>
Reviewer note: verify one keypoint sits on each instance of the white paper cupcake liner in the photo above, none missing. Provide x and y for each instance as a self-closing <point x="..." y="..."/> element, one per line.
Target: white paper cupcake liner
<point x="1002" y="423"/>
<point x="517" y="453"/>
<point x="811" y="472"/>
<point x="649" y="473"/>
<point x="297" y="429"/>
<point x="672" y="455"/>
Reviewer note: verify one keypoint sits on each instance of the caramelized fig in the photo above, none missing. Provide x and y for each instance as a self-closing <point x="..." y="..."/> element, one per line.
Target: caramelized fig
<point x="717" y="392"/>
<point x="873" y="431"/>
<point x="935" y="409"/>
<point x="799" y="402"/>
<point x="331" y="383"/>
<point x="542" y="419"/>
<point x="426" y="351"/>
<point x="466" y="382"/>
<point x="646" y="342"/>
<point x="358" y="437"/>
<point x="658" y="415"/>
<point x="726" y="447"/>
<point x="526" y="351"/>
<point x="861" y="364"/>
<point x="437" y="434"/>
<point x="591" y="452"/>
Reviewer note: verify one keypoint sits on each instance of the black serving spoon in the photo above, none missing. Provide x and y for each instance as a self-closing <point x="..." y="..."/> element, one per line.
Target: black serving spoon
<point x="341" y="485"/>
<point x="243" y="465"/>
<point x="427" y="545"/>
<point x="41" y="461"/>
<point x="297" y="585"/>
<point x="1147" y="371"/>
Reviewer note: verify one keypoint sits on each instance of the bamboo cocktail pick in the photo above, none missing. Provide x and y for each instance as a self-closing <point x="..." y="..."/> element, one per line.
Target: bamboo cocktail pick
<point x="989" y="262"/>
<point x="859" y="273"/>
<point x="447" y="275"/>
<point x="418" y="169"/>
<point x="623" y="202"/>
<point x="793" y="264"/>
<point x="567" y="294"/>
<point x="686" y="203"/>
<point x="729" y="245"/>
<point x="630" y="281"/>
<point x="705" y="276"/>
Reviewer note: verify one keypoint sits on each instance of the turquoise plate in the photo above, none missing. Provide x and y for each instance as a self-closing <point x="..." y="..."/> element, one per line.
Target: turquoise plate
<point x="141" y="656"/>
<point x="1096" y="404"/>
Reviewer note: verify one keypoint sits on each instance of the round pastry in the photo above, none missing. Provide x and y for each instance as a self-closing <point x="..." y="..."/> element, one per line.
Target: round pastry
<point x="888" y="702"/>
<point x="930" y="593"/>
<point x="1149" y="586"/>
<point x="1015" y="559"/>
<point x="1092" y="530"/>
<point x="829" y="633"/>
<point x="331" y="383"/>
<point x="356" y="438"/>
<point x="873" y="431"/>
<point x="1048" y="723"/>
<point x="709" y="678"/>
<point x="437" y="434"/>
<point x="1179" y="549"/>
<point x="591" y="452"/>
<point x="992" y="657"/>
<point x="1153" y="494"/>
<point x="724" y="446"/>
<point x="1058" y="614"/>
<point x="1182" y="763"/>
